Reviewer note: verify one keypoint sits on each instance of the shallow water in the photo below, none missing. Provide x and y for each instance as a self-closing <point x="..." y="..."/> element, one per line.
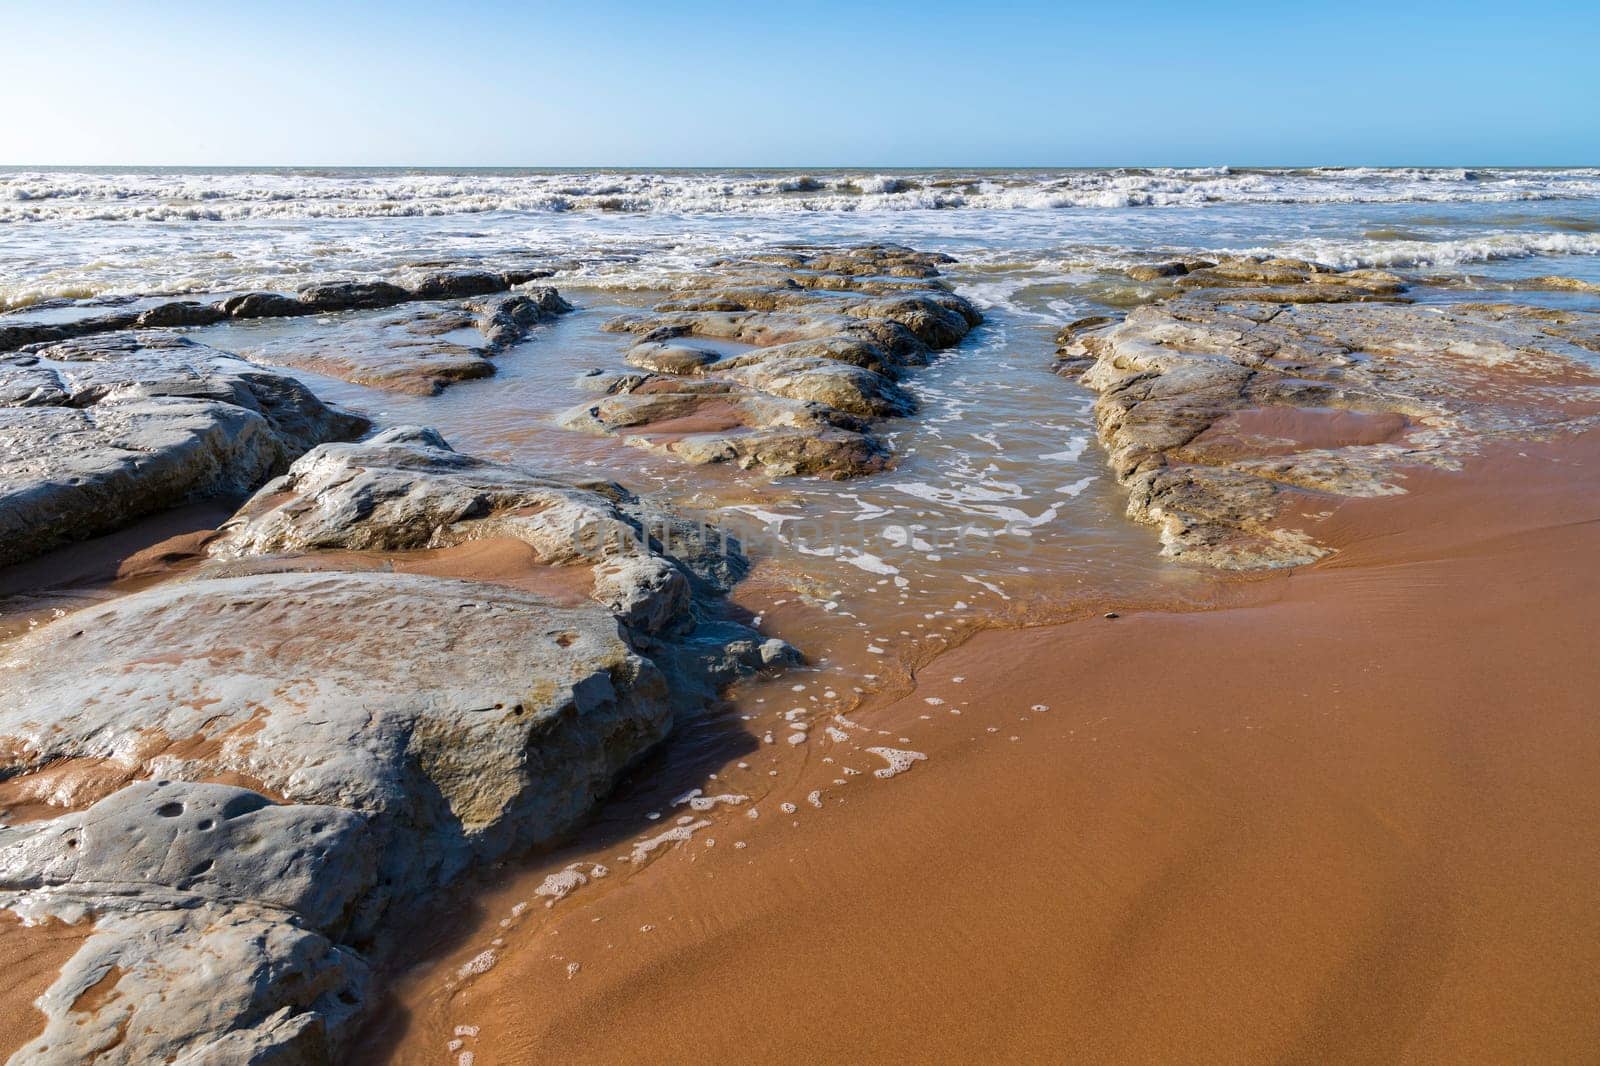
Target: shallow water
<point x="999" y="507"/>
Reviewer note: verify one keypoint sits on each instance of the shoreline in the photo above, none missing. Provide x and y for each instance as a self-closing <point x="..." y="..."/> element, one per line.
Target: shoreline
<point x="1235" y="840"/>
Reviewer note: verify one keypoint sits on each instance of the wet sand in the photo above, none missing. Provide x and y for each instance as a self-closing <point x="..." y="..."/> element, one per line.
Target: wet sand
<point x="31" y="957"/>
<point x="1352" y="819"/>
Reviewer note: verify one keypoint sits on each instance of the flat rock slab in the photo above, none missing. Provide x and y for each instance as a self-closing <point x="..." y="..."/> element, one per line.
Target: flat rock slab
<point x="1223" y="416"/>
<point x="98" y="432"/>
<point x="422" y="348"/>
<point x="414" y="725"/>
<point x="266" y="761"/>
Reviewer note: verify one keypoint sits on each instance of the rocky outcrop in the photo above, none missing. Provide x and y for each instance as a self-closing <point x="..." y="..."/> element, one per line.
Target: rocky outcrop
<point x="98" y="432"/>
<point x="421" y="350"/>
<point x="781" y="362"/>
<point x="1233" y="424"/>
<point x="321" y="298"/>
<point x="298" y="744"/>
<point x="1275" y="280"/>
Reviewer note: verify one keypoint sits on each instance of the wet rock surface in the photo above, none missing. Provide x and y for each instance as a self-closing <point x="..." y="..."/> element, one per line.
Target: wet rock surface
<point x="1275" y="280"/>
<point x="781" y="362"/>
<point x="1235" y="425"/>
<point x="316" y="742"/>
<point x="427" y="285"/>
<point x="422" y="348"/>
<point x="97" y="432"/>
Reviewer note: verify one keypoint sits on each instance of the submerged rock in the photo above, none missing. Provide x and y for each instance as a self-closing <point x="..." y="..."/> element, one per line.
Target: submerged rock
<point x="98" y="432"/>
<point x="1294" y="281"/>
<point x="316" y="744"/>
<point x="422" y="349"/>
<point x="1227" y="419"/>
<point x="818" y="339"/>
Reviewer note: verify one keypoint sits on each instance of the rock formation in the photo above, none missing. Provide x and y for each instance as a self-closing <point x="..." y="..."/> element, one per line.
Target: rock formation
<point x="1234" y="419"/>
<point x="422" y="349"/>
<point x="781" y="362"/>
<point x="100" y="431"/>
<point x="17" y="331"/>
<point x="263" y="765"/>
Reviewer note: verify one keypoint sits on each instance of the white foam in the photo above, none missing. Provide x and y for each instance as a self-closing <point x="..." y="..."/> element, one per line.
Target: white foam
<point x="643" y="849"/>
<point x="699" y="801"/>
<point x="899" y="761"/>
<point x="480" y="963"/>
<point x="1074" y="450"/>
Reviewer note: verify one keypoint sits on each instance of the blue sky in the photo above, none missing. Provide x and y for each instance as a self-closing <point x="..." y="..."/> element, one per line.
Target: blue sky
<point x="799" y="83"/>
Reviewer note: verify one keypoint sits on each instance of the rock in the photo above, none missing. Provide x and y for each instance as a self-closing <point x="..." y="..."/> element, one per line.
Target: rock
<point x="504" y="320"/>
<point x="23" y="334"/>
<point x="405" y="489"/>
<point x="455" y="284"/>
<point x="1219" y="417"/>
<point x="838" y="385"/>
<point x="714" y="422"/>
<point x="668" y="358"/>
<point x="830" y="328"/>
<point x="418" y="350"/>
<point x="1072" y="357"/>
<point x="313" y="299"/>
<point x="180" y="313"/>
<point x="199" y="842"/>
<point x="1156" y="271"/>
<point x="496" y="728"/>
<point x="314" y="752"/>
<point x="352" y="295"/>
<point x="523" y="275"/>
<point x="264" y="305"/>
<point x="106" y="430"/>
<point x="205" y="984"/>
<point x="1294" y="281"/>
<point x="409" y="351"/>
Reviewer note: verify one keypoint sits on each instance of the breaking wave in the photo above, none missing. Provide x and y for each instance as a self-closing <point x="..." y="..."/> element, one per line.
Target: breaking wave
<point x="228" y="195"/>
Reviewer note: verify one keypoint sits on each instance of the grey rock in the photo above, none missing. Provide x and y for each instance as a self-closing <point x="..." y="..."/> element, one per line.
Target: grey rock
<point x="180" y="313"/>
<point x="205" y="985"/>
<point x="185" y="842"/>
<point x="264" y="305"/>
<point x="104" y="431"/>
<point x="454" y="284"/>
<point x="669" y="358"/>
<point x="504" y="320"/>
<point x="352" y="295"/>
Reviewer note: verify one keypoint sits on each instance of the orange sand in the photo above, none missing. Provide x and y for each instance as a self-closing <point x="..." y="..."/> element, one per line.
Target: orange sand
<point x="1353" y="820"/>
<point x="31" y="958"/>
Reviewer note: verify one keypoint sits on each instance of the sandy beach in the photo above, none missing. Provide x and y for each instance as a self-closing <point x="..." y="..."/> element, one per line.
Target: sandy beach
<point x="1349" y="818"/>
<point x="486" y="617"/>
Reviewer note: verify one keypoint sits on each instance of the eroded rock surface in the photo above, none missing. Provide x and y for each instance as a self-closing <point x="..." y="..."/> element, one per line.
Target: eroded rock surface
<point x="98" y="432"/>
<point x="422" y="348"/>
<point x="1235" y="424"/>
<point x="781" y="362"/>
<point x="1275" y="280"/>
<point x="297" y="743"/>
<point x="16" y="331"/>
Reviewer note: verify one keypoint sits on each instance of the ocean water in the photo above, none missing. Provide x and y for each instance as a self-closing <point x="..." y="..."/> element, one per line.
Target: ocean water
<point x="999" y="507"/>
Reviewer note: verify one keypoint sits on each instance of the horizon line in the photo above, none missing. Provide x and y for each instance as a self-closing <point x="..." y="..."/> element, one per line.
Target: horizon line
<point x="800" y="166"/>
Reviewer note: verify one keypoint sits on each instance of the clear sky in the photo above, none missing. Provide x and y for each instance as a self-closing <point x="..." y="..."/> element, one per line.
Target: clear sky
<point x="799" y="83"/>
